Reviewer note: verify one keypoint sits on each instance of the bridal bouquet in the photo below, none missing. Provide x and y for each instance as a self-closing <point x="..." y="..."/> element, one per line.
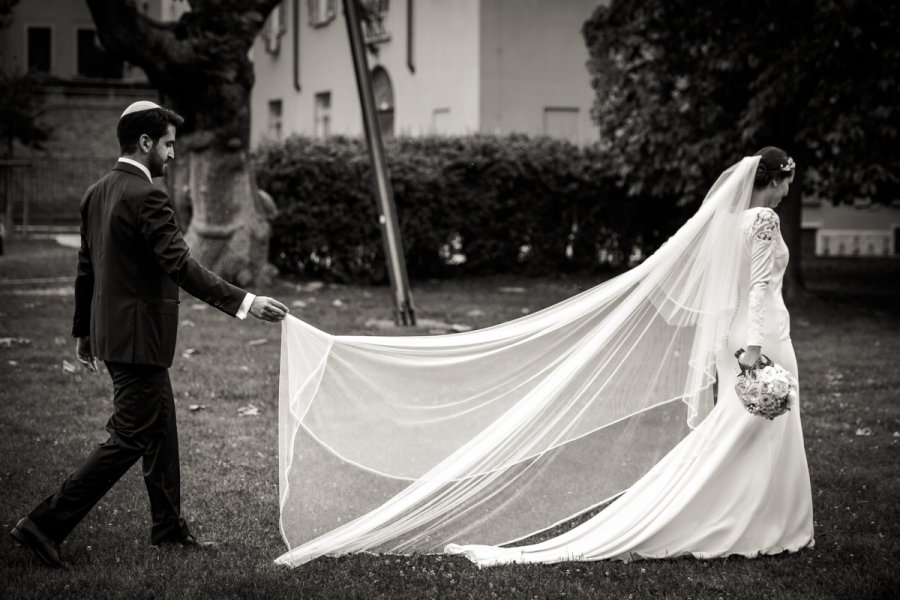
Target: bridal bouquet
<point x="766" y="389"/>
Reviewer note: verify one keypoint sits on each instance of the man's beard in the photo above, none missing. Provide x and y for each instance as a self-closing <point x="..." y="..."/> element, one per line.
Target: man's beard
<point x="157" y="166"/>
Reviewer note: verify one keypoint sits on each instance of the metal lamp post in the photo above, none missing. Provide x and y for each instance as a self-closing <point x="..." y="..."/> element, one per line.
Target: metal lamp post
<point x="404" y="312"/>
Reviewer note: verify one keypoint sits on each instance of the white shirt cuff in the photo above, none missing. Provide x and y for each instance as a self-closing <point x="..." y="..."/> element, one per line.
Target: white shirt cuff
<point x="244" y="310"/>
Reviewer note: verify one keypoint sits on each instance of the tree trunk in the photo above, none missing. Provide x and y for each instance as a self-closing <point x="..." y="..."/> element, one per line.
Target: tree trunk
<point x="227" y="231"/>
<point x="178" y="186"/>
<point x="790" y="212"/>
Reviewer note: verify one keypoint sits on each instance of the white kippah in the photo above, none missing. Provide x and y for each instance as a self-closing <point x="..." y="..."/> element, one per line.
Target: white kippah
<point x="139" y="106"/>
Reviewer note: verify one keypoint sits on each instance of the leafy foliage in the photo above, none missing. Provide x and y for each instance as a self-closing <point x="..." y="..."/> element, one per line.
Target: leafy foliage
<point x="466" y="205"/>
<point x="683" y="88"/>
<point x="6" y="9"/>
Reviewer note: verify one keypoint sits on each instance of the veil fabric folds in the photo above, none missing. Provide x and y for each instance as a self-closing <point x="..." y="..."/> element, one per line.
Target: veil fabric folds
<point x="403" y="444"/>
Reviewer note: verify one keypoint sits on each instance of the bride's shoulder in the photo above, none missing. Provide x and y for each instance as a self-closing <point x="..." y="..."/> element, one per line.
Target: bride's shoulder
<point x="761" y="223"/>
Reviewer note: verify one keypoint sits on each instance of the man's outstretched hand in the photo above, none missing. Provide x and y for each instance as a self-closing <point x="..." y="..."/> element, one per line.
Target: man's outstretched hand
<point x="268" y="309"/>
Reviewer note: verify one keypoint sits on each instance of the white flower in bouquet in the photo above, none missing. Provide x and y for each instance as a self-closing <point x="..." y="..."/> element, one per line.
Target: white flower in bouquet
<point x="766" y="389"/>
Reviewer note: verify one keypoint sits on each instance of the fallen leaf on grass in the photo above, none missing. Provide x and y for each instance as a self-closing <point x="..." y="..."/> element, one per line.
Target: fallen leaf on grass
<point x="258" y="342"/>
<point x="864" y="431"/>
<point x="475" y="313"/>
<point x="248" y="411"/>
<point x="32" y="304"/>
<point x="245" y="368"/>
<point x="187" y="323"/>
<point x="59" y="341"/>
<point x="298" y="304"/>
<point x="196" y="407"/>
<point x="199" y="306"/>
<point x="338" y="303"/>
<point x="69" y="367"/>
<point x="9" y="342"/>
<point x="512" y="290"/>
<point x="12" y="363"/>
<point x="458" y="328"/>
<point x="190" y="352"/>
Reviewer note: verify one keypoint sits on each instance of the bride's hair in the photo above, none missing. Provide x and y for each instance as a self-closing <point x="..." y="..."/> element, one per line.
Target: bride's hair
<point x="774" y="165"/>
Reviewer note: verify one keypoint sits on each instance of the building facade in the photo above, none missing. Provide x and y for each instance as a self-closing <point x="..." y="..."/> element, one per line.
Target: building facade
<point x="438" y="67"/>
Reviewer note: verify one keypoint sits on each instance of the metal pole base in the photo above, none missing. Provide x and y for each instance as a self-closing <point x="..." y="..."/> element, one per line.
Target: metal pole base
<point x="405" y="316"/>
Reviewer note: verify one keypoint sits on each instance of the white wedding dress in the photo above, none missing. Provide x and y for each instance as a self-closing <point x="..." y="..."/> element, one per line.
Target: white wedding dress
<point x="737" y="484"/>
<point x="479" y="439"/>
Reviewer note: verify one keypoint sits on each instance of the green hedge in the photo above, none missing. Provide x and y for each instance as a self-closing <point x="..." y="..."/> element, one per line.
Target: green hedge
<point x="468" y="205"/>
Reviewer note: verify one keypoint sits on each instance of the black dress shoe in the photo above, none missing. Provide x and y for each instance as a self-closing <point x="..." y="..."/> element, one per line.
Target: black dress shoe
<point x="29" y="535"/>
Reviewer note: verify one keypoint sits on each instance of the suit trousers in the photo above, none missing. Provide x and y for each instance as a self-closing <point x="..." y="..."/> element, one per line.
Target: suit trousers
<point x="142" y="427"/>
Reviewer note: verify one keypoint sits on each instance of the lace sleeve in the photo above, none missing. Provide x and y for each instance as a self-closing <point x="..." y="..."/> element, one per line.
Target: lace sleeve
<point x="763" y="235"/>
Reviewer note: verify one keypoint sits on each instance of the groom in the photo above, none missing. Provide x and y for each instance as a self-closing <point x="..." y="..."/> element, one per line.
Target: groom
<point x="132" y="261"/>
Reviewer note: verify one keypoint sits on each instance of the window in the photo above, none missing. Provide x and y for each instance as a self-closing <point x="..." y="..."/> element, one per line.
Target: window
<point x="384" y="101"/>
<point x="321" y="12"/>
<point x="562" y="123"/>
<point x="275" y="119"/>
<point x="39" y="41"/>
<point x="323" y="114"/>
<point x="92" y="60"/>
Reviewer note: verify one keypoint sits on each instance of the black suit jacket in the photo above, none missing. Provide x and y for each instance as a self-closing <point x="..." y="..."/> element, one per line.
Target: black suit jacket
<point x="131" y="263"/>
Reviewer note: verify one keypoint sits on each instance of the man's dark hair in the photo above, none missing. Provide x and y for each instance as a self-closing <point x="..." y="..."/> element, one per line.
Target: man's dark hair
<point x="153" y="122"/>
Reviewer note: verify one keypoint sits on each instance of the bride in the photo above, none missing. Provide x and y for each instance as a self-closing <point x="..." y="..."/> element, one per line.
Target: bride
<point x="483" y="439"/>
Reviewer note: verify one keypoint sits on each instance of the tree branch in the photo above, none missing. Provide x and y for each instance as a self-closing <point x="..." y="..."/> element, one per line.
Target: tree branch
<point x="125" y="32"/>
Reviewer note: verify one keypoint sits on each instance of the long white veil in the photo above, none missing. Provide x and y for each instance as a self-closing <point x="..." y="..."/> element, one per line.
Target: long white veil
<point x="403" y="444"/>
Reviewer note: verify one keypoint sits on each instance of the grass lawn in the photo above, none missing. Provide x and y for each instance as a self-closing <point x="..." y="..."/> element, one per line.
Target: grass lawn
<point x="847" y="343"/>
